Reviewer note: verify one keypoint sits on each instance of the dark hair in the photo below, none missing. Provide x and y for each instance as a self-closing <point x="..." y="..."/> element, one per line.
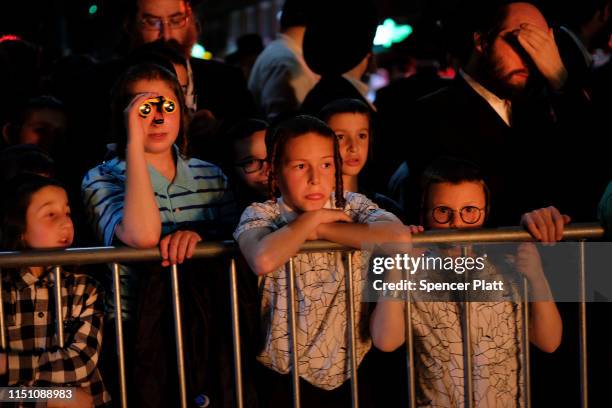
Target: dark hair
<point x="160" y="52"/>
<point x="121" y="97"/>
<point x="454" y="171"/>
<point x="37" y="103"/>
<point x="24" y="159"/>
<point x="575" y="14"/>
<point x="294" y="14"/>
<point x="277" y="139"/>
<point x="345" y="105"/>
<point x="14" y="207"/>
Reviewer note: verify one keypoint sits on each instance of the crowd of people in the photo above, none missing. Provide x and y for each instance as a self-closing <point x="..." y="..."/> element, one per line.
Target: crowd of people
<point x="159" y="149"/>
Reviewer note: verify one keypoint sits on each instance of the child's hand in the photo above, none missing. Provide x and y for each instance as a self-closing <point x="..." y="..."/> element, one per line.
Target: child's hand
<point x="135" y="124"/>
<point x="545" y="224"/>
<point x="327" y="216"/>
<point x="416" y="229"/>
<point x="178" y="246"/>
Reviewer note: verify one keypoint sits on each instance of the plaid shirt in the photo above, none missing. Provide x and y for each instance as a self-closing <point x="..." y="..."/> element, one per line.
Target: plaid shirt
<point x="33" y="355"/>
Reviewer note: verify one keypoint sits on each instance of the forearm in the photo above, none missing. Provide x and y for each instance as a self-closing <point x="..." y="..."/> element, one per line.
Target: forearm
<point x="387" y="324"/>
<point x="545" y="326"/>
<point x="355" y="235"/>
<point x="276" y="248"/>
<point x="141" y="223"/>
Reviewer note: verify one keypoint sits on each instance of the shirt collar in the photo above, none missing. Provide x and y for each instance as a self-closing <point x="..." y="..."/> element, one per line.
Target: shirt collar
<point x="24" y="278"/>
<point x="183" y="177"/>
<point x="291" y="44"/>
<point x="503" y="107"/>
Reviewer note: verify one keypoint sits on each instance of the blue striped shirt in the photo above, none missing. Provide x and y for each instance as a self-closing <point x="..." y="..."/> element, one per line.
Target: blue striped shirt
<point x="198" y="196"/>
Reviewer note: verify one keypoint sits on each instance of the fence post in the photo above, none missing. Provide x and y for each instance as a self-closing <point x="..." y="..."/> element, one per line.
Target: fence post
<point x="466" y="321"/>
<point x="351" y="328"/>
<point x="584" y="384"/>
<point x="410" y="351"/>
<point x="119" y="333"/>
<point x="526" y="351"/>
<point x="2" y="323"/>
<point x="236" y="333"/>
<point x="59" y="315"/>
<point x="178" y="331"/>
<point x="295" y="368"/>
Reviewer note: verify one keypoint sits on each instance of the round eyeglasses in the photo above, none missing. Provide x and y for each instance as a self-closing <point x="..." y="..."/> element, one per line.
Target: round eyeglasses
<point x="469" y="214"/>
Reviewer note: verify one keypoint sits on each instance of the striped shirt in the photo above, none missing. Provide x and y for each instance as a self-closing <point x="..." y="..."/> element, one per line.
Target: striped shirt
<point x="34" y="356"/>
<point x="197" y="198"/>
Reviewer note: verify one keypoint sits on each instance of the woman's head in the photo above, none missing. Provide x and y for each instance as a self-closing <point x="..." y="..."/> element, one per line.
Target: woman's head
<point x="166" y="128"/>
<point x="454" y="195"/>
<point x="350" y="121"/>
<point x="305" y="163"/>
<point x="35" y="214"/>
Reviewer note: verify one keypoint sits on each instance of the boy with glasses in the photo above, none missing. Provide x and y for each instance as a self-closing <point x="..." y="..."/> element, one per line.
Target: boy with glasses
<point x="246" y="163"/>
<point x="456" y="196"/>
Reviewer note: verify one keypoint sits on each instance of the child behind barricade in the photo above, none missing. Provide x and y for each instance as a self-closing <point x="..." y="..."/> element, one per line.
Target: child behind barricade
<point x="36" y="215"/>
<point x="246" y="161"/>
<point x="456" y="196"/>
<point x="153" y="194"/>
<point x="309" y="204"/>
<point x="351" y="121"/>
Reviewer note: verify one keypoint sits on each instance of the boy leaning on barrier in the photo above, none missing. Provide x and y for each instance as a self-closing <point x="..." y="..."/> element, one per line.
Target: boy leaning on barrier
<point x="456" y="197"/>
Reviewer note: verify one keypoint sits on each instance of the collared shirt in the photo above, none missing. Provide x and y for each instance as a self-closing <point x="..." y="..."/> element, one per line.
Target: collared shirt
<point x="280" y="78"/>
<point x="503" y="107"/>
<point x="34" y="356"/>
<point x="322" y="343"/>
<point x="496" y="334"/>
<point x="198" y="196"/>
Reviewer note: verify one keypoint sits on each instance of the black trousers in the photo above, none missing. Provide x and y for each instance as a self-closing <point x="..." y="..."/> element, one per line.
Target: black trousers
<point x="207" y="337"/>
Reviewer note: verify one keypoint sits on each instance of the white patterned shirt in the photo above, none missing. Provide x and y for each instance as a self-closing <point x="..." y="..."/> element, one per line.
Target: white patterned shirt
<point x="322" y="336"/>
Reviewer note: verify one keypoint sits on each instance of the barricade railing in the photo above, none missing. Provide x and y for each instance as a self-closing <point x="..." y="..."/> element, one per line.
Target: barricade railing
<point x="115" y="256"/>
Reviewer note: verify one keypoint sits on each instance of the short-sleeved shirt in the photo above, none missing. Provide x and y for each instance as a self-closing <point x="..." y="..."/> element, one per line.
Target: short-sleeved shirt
<point x="322" y="342"/>
<point x="496" y="334"/>
<point x="198" y="196"/>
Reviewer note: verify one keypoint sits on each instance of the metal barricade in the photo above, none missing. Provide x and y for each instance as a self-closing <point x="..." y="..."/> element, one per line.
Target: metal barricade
<point x="115" y="256"/>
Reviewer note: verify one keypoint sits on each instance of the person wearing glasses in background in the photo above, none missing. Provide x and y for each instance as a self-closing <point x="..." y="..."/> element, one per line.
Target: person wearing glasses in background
<point x="211" y="85"/>
<point x="245" y="162"/>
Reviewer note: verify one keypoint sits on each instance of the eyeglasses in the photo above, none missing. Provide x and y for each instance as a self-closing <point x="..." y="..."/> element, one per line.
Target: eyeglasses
<point x="469" y="214"/>
<point x="252" y="165"/>
<point x="151" y="23"/>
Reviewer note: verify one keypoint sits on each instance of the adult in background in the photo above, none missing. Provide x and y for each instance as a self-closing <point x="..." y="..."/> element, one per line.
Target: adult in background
<point x="505" y="111"/>
<point x="338" y="46"/>
<point x="212" y="85"/>
<point x="280" y="78"/>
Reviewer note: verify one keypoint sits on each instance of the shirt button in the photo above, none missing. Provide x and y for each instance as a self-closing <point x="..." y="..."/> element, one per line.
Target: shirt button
<point x="41" y="314"/>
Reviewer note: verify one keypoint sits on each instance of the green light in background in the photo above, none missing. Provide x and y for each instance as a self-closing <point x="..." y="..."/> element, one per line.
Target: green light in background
<point x="390" y="33"/>
<point x="93" y="9"/>
<point x="198" y="51"/>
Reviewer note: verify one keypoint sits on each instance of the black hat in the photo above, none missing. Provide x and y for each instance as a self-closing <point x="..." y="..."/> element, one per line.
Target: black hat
<point x="339" y="35"/>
